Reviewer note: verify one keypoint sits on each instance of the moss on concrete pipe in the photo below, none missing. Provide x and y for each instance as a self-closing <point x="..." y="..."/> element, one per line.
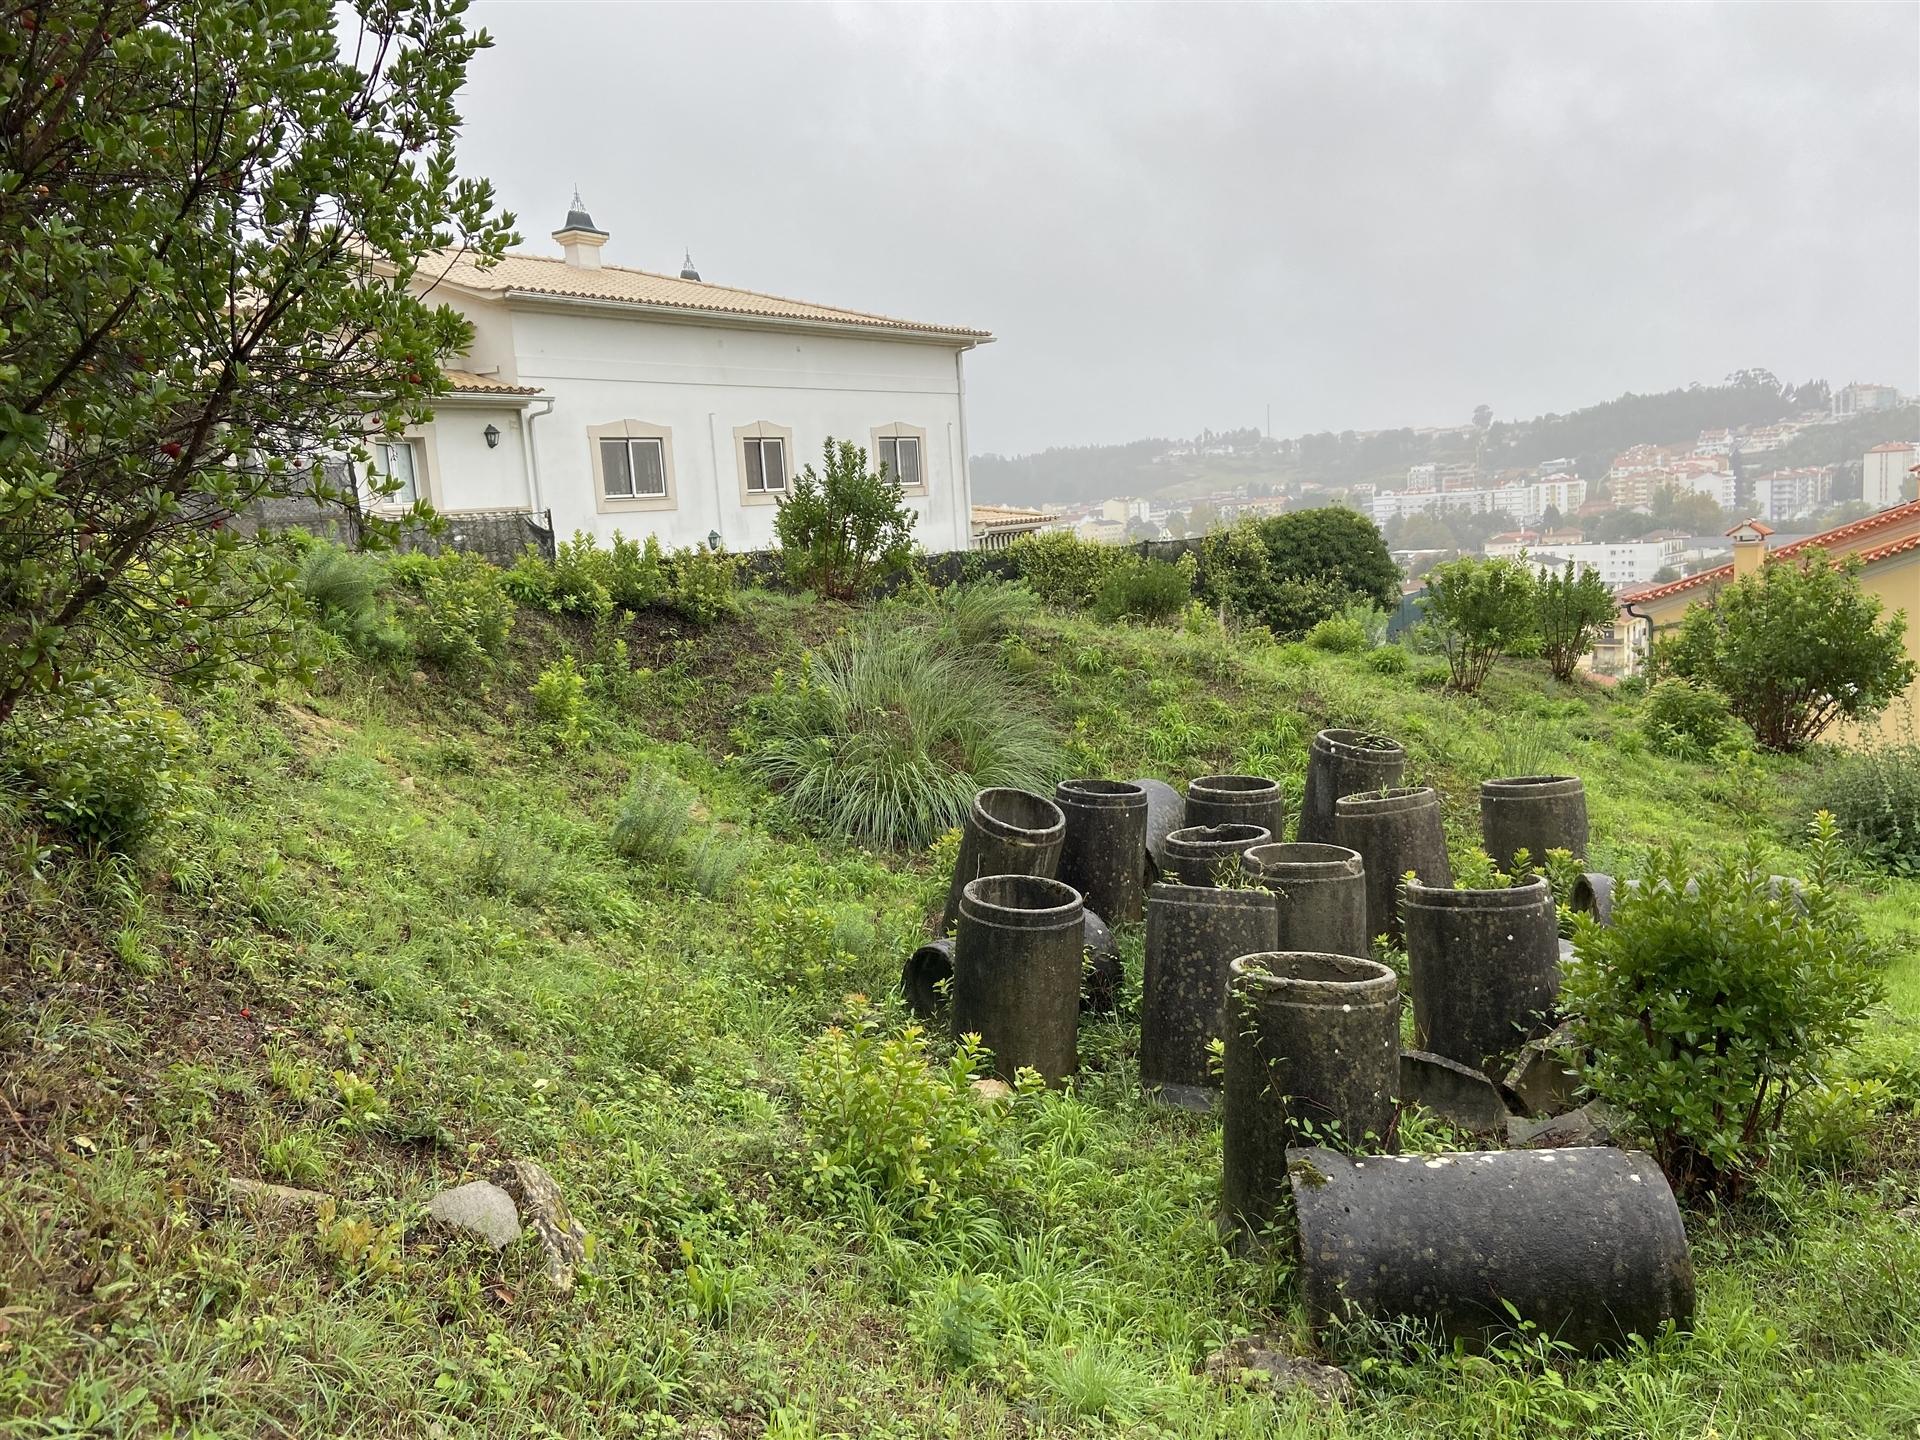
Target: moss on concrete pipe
<point x="1007" y="832"/>
<point x="1394" y="831"/>
<point x="1194" y="933"/>
<point x="1104" y="853"/>
<point x="1587" y="1244"/>
<point x="1016" y="972"/>
<point x="1313" y="1053"/>
<point x="1486" y="970"/>
<point x="1345" y="762"/>
<point x="1322" y="890"/>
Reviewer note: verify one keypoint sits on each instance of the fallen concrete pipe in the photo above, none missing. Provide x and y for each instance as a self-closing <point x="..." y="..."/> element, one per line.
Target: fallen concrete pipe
<point x="1313" y="1054"/>
<point x="1345" y="762"/>
<point x="1535" y="813"/>
<point x="1485" y="970"/>
<point x="1166" y="813"/>
<point x="1016" y="972"/>
<point x="1322" y="891"/>
<point x="1007" y="832"/>
<point x="1104" y="852"/>
<point x="1394" y="831"/>
<point x="1194" y="933"/>
<point x="1586" y="1244"/>
<point x="1594" y="893"/>
<point x="1210" y="854"/>
<point x="1238" y="800"/>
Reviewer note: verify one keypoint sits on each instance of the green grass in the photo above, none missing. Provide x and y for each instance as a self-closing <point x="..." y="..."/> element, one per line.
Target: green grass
<point x="394" y="942"/>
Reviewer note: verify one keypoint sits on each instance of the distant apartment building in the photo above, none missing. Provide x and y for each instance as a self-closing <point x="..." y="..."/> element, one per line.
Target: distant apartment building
<point x="1547" y="469"/>
<point x="1791" y="494"/>
<point x="1883" y="473"/>
<point x="1525" y="504"/>
<point x="1643" y="460"/>
<point x="1124" y="508"/>
<point x="1857" y="399"/>
<point x="1628" y="562"/>
<point x="1511" y="543"/>
<point x="1714" y="442"/>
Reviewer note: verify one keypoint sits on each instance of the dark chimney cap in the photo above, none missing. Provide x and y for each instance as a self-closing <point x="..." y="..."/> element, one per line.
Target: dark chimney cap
<point x="578" y="218"/>
<point x="687" y="272"/>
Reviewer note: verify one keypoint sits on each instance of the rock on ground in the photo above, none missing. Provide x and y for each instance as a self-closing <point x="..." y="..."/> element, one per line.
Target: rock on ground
<point x="479" y="1208"/>
<point x="545" y="1212"/>
<point x="1592" y="1124"/>
<point x="1269" y="1362"/>
<point x="272" y="1197"/>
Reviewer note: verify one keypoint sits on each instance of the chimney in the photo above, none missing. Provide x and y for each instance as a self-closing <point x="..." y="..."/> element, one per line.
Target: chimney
<point x="579" y="236"/>
<point x="1749" y="547"/>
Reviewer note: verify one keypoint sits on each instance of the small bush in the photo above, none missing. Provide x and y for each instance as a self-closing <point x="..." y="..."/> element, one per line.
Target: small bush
<point x="714" y="863"/>
<point x="1338" y="635"/>
<point x="1389" y="660"/>
<point x="1062" y="569"/>
<point x="1688" y="720"/>
<point x="345" y="591"/>
<point x="464" y="613"/>
<point x="982" y="612"/>
<point x="842" y="529"/>
<point x="1709" y="1012"/>
<point x="653" y="815"/>
<point x="703" y="585"/>
<point x="1874" y="796"/>
<point x="560" y="700"/>
<point x="1484" y="609"/>
<point x="98" y="762"/>
<point x="1149" y="590"/>
<point x="1570" y="608"/>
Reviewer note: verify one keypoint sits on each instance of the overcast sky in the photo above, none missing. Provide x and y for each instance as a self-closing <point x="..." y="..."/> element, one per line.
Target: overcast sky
<point x="1172" y="218"/>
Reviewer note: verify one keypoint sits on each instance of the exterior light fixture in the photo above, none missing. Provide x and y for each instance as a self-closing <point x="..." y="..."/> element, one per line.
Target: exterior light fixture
<point x="713" y="540"/>
<point x="492" y="432"/>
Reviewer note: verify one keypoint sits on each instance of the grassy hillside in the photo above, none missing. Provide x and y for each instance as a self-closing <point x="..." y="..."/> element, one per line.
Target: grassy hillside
<point x="391" y="943"/>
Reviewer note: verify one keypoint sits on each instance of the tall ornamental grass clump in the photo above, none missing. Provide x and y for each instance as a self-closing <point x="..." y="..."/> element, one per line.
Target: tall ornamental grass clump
<point x="1874" y="797"/>
<point x="889" y="732"/>
<point x="1709" y="1011"/>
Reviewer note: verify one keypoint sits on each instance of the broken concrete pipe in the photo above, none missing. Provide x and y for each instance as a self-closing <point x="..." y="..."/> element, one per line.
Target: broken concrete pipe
<point x="923" y="979"/>
<point x="1586" y="1244"/>
<point x="1237" y="800"/>
<point x="1459" y="1094"/>
<point x="1535" y="813"/>
<point x="1007" y="832"/>
<point x="1016" y="972"/>
<point x="1345" y="762"/>
<point x="1322" y="891"/>
<point x="1394" y="831"/>
<point x="1594" y="893"/>
<point x="1486" y="970"/>
<point x="1104" y="853"/>
<point x="1166" y="813"/>
<point x="1313" y="1054"/>
<point x="1210" y="854"/>
<point x="1194" y="932"/>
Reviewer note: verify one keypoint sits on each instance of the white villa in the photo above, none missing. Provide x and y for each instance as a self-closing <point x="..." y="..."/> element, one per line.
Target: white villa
<point x="619" y="399"/>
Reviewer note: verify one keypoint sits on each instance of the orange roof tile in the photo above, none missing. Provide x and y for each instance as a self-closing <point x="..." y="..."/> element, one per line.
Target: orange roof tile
<point x="1839" y="535"/>
<point x="466" y="382"/>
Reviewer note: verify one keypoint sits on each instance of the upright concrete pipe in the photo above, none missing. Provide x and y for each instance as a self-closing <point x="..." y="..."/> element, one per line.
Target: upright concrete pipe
<point x="1345" y="762"/>
<point x="1322" y="891"/>
<point x="1210" y="854"/>
<point x="1194" y="933"/>
<point x="1587" y="1244"/>
<point x="1394" y="831"/>
<point x="1104" y="853"/>
<point x="1016" y="972"/>
<point x="924" y="979"/>
<point x="1486" y="970"/>
<point x="1535" y="813"/>
<point x="1007" y="832"/>
<point x="1313" y="1053"/>
<point x="1238" y="800"/>
<point x="1166" y="813"/>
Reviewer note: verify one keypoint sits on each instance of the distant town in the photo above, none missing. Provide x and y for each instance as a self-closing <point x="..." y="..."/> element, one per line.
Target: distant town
<point x="1655" y="511"/>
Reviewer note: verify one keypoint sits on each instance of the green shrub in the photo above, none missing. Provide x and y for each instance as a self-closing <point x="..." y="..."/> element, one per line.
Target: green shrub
<point x="652" y="817"/>
<point x="1331" y="544"/>
<point x="1795" y="648"/>
<point x="888" y="734"/>
<point x="345" y="592"/>
<point x="981" y="612"/>
<point x="1062" y="569"/>
<point x="885" y="1120"/>
<point x="1484" y="609"/>
<point x="464" y="613"/>
<point x="1687" y="720"/>
<point x="841" y="531"/>
<point x="560" y="700"/>
<point x="702" y="585"/>
<point x="714" y="863"/>
<point x="1874" y="796"/>
<point x="1389" y="660"/>
<point x="1569" y="609"/>
<point x="1709" y="1012"/>
<point x="1150" y="590"/>
<point x="97" y="761"/>
<point x="1338" y="635"/>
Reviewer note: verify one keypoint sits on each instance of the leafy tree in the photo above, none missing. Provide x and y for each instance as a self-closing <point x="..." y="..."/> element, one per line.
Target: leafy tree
<point x="1794" y="648"/>
<point x="211" y="217"/>
<point x="839" y="532"/>
<point x="1569" y="609"/>
<point x="1483" y="609"/>
<point x="1332" y="545"/>
<point x="1482" y="416"/>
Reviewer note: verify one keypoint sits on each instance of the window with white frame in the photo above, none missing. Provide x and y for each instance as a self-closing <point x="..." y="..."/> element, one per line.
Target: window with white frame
<point x="633" y="468"/>
<point x="766" y="460"/>
<point x="900" y="454"/>
<point x="399" y="461"/>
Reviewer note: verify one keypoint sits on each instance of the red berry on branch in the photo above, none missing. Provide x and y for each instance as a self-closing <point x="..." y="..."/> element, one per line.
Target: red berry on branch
<point x="172" y="449"/>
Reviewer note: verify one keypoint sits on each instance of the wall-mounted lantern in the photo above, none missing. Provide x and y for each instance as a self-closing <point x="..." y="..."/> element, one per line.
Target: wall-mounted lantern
<point x="713" y="539"/>
<point x="492" y="432"/>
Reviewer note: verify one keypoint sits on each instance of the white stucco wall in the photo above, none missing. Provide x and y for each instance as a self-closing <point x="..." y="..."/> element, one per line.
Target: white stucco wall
<point x="464" y="473"/>
<point x="699" y="382"/>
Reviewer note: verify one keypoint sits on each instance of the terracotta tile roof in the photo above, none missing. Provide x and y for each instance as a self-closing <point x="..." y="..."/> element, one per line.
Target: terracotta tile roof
<point x="1008" y="515"/>
<point x="1891" y="447"/>
<point x="1826" y="539"/>
<point x="466" y="382"/>
<point x="546" y="275"/>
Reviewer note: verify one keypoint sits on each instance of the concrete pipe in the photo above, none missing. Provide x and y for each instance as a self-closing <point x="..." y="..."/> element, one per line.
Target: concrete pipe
<point x="924" y="978"/>
<point x="1535" y="813"/>
<point x="1104" y="853"/>
<point x="1313" y="1054"/>
<point x="1016" y="972"/>
<point x="1007" y="832"/>
<point x="1322" y="891"/>
<point x="1166" y="813"/>
<point x="1486" y="970"/>
<point x="1587" y="1244"/>
<point x="1394" y="831"/>
<point x="1345" y="762"/>
<point x="1237" y="800"/>
<point x="1210" y="854"/>
<point x="1194" y="932"/>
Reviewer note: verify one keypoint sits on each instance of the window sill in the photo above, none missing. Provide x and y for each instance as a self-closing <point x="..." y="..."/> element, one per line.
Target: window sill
<point x="620" y="504"/>
<point x="763" y="497"/>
